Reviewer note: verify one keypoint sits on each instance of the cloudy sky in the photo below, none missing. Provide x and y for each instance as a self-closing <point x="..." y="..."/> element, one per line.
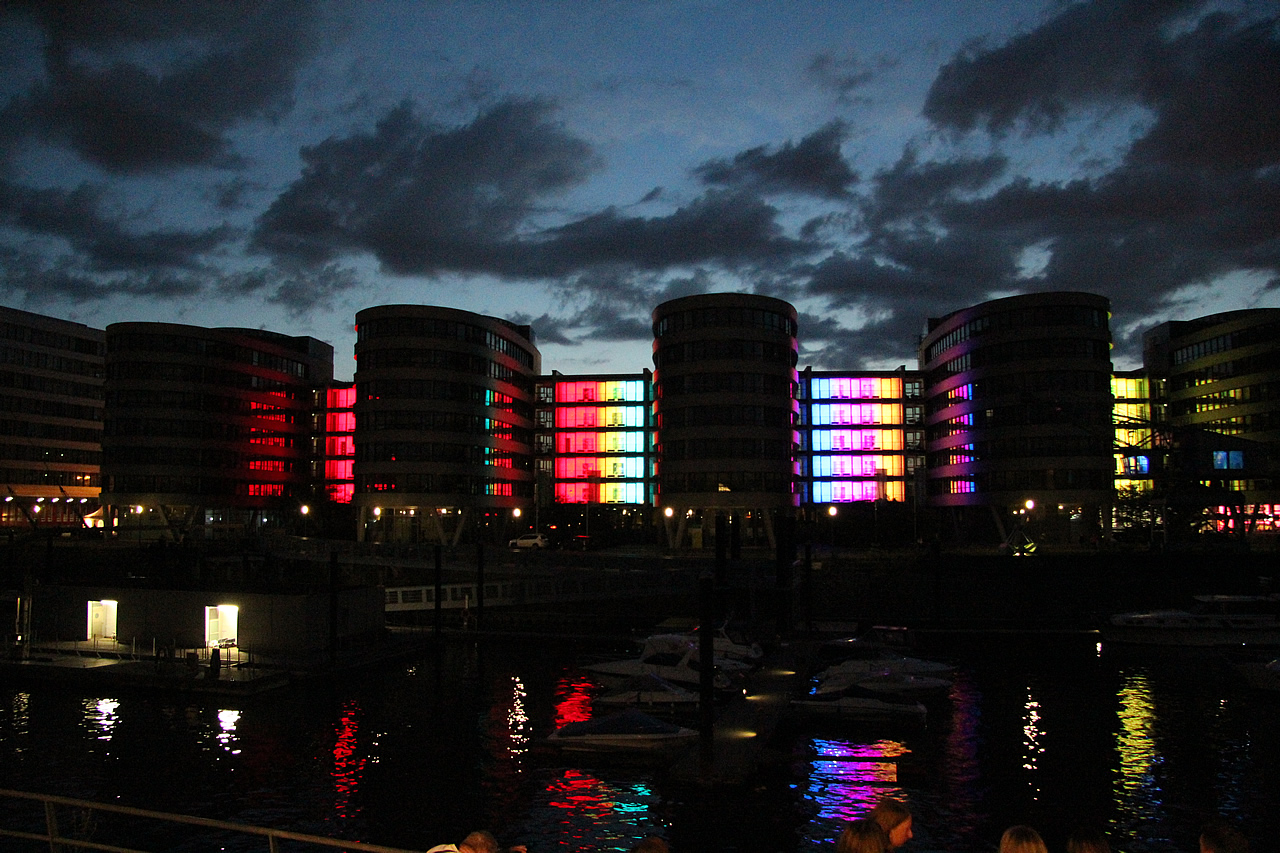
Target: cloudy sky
<point x="571" y="165"/>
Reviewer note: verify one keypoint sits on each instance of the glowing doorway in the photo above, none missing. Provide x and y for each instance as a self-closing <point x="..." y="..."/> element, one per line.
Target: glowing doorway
<point x="102" y="620"/>
<point x="220" y="624"/>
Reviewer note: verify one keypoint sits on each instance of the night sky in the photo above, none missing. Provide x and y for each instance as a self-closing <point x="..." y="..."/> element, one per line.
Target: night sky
<point x="571" y="165"/>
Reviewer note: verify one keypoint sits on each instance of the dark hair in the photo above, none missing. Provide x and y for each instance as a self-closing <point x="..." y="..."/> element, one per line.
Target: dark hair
<point x="1221" y="837"/>
<point x="1088" y="841"/>
<point x="889" y="813"/>
<point x="1021" y="839"/>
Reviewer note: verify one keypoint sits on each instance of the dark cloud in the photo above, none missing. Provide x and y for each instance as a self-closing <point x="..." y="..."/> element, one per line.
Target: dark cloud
<point x="813" y="166"/>
<point x="99" y="240"/>
<point x="426" y="199"/>
<point x="1089" y="54"/>
<point x="227" y="62"/>
<point x="423" y="198"/>
<point x="36" y="281"/>
<point x="299" y="290"/>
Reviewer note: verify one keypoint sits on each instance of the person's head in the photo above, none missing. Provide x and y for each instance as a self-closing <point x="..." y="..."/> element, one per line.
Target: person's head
<point x="895" y="819"/>
<point x="1087" y="841"/>
<point x="1022" y="839"/>
<point x="1219" y="837"/>
<point x="480" y="841"/>
<point x="651" y="844"/>
<point x="863" y="836"/>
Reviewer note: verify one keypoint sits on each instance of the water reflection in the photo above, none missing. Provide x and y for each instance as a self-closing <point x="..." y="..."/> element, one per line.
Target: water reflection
<point x="227" y="736"/>
<point x="961" y="770"/>
<point x="573" y="699"/>
<point x="581" y="811"/>
<point x="843" y="779"/>
<point x="1136" y="789"/>
<point x="1032" y="747"/>
<point x="101" y="715"/>
<point x="348" y="766"/>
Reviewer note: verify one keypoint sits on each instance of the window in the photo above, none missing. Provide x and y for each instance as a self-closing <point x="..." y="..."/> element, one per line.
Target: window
<point x="1228" y="459"/>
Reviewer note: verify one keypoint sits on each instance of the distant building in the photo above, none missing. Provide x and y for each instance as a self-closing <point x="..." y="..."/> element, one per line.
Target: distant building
<point x="727" y="415"/>
<point x="594" y="444"/>
<point x="1218" y="391"/>
<point x="51" y="413"/>
<point x="862" y="435"/>
<point x="208" y="431"/>
<point x="1136" y="437"/>
<point x="1018" y="414"/>
<point x="444" y="423"/>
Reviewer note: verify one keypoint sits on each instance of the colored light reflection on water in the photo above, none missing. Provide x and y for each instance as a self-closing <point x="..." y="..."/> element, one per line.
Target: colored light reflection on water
<point x="573" y="699"/>
<point x="348" y="766"/>
<point x="846" y="778"/>
<point x="1137" y="791"/>
<point x="582" y="811"/>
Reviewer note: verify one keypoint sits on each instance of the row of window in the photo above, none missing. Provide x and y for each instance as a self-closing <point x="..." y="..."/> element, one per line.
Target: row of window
<point x="737" y="383"/>
<point x="442" y="389"/>
<point x="439" y="451"/>
<point x="834" y="414"/>
<point x="580" y="467"/>
<point x="584" y="417"/>
<point x="1013" y="352"/>
<point x="49" y="455"/>
<point x="724" y="350"/>
<point x="198" y="457"/>
<point x="1266" y="333"/>
<point x="736" y="318"/>
<point x="460" y="362"/>
<point x="863" y="439"/>
<point x="1214" y="400"/>
<point x="435" y="327"/>
<point x="1023" y="446"/>
<point x="592" y="391"/>
<point x="50" y="432"/>
<point x="53" y="340"/>
<point x="835" y="491"/>
<point x="49" y="385"/>
<point x="147" y="342"/>
<point x="1019" y="318"/>
<point x="42" y="477"/>
<point x="601" y="493"/>
<point x="134" y="399"/>
<point x="726" y="481"/>
<point x="132" y="372"/>
<point x="1031" y="413"/>
<point x="1094" y="383"/>
<point x="430" y="482"/>
<point x="633" y="441"/>
<point x="863" y="388"/>
<point x="727" y="448"/>
<point x="49" y="408"/>
<point x="210" y="486"/>
<point x="432" y="420"/>
<point x="771" y="417"/>
<point x="1020" y="480"/>
<point x="196" y="428"/>
<point x="1259" y="363"/>
<point x="1244" y="424"/>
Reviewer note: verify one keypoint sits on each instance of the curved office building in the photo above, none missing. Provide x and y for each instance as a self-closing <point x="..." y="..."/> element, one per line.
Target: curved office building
<point x="1018" y="412"/>
<point x="208" y="429"/>
<point x="725" y="385"/>
<point x="444" y="422"/>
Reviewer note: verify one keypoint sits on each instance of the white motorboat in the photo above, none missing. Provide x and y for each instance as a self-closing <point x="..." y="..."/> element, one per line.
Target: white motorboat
<point x="884" y="681"/>
<point x="856" y="703"/>
<point x="651" y="691"/>
<point x="730" y="662"/>
<point x="630" y="731"/>
<point x="1214" y="620"/>
<point x="669" y="656"/>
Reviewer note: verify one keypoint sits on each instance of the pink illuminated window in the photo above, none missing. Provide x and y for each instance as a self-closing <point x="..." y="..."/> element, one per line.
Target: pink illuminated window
<point x="573" y="468"/>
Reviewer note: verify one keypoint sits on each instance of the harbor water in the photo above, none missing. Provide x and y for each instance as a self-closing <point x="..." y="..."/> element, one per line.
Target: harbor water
<point x="1053" y="730"/>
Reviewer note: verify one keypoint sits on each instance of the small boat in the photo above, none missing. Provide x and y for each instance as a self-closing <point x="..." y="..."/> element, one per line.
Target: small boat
<point x="1214" y="620"/>
<point x="856" y="703"/>
<point x="669" y="656"/>
<point x="884" y="681"/>
<point x="649" y="690"/>
<point x="630" y="731"/>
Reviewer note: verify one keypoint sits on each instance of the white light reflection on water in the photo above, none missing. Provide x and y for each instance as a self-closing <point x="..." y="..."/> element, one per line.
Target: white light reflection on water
<point x="227" y="736"/>
<point x="101" y="714"/>
<point x="1032" y="747"/>
<point x="1136" y="790"/>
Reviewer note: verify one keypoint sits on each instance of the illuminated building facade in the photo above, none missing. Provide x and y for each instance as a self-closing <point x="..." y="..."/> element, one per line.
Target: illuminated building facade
<point x="594" y="438"/>
<point x="208" y="430"/>
<point x="1135" y="436"/>
<point x="1018" y="409"/>
<point x="1218" y="386"/>
<point x="444" y="421"/>
<point x="862" y="436"/>
<point x="725" y="384"/>
<point x="335" y="450"/>
<point x="51" y="375"/>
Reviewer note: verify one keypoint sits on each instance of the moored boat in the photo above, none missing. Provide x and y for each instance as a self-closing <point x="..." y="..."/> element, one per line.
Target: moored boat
<point x="1214" y="620"/>
<point x="630" y="731"/>
<point x="856" y="703"/>
<point x="649" y="690"/>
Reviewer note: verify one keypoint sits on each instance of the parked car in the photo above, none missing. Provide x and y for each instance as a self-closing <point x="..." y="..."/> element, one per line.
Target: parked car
<point x="530" y="540"/>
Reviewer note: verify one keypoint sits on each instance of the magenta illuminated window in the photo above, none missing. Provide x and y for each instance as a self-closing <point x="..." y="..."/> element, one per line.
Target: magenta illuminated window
<point x="577" y="469"/>
<point x="577" y="493"/>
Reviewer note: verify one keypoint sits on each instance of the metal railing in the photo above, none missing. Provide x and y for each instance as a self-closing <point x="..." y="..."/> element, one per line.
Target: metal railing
<point x="57" y="841"/>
